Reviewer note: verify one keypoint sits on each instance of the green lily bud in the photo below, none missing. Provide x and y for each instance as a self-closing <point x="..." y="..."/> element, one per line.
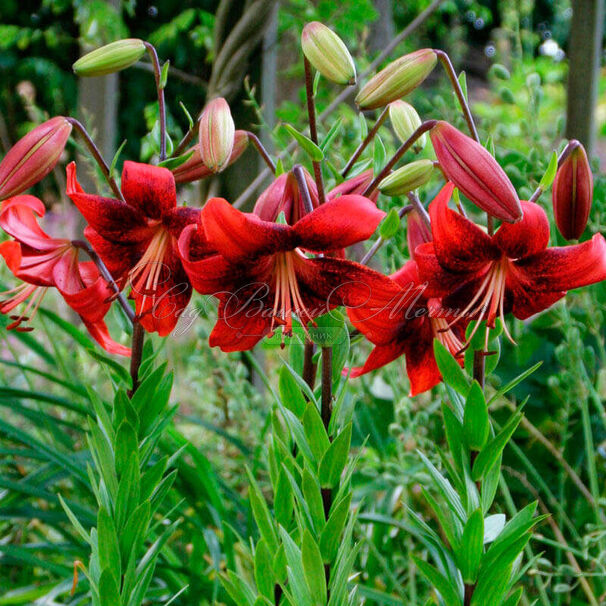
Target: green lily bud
<point x="327" y="53"/>
<point x="407" y="178"/>
<point x="397" y="79"/>
<point x="110" y="58"/>
<point x="405" y="121"/>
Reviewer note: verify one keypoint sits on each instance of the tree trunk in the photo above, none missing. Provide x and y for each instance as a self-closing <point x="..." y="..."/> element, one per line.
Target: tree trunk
<point x="585" y="48"/>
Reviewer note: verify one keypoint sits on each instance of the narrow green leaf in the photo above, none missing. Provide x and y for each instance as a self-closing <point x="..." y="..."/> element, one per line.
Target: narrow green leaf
<point x="476" y="426"/>
<point x="331" y="535"/>
<point x="390" y="225"/>
<point x="491" y="452"/>
<point x="264" y="573"/>
<point x="126" y="445"/>
<point x="451" y="372"/>
<point x="469" y="551"/>
<point x="109" y="550"/>
<point x="313" y="568"/>
<point x="308" y="146"/>
<point x="284" y="500"/>
<point x="316" y="435"/>
<point x="313" y="497"/>
<point x="290" y="393"/>
<point x="108" y="589"/>
<point x="442" y="585"/>
<point x="190" y="120"/>
<point x="332" y="133"/>
<point x="550" y="173"/>
<point x="335" y="458"/>
<point x="261" y="514"/>
<point x="112" y="166"/>
<point x="164" y="75"/>
<point x="379" y="154"/>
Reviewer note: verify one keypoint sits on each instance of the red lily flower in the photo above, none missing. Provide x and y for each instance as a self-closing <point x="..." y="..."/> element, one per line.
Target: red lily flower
<point x="402" y="320"/>
<point x="261" y="275"/>
<point x="137" y="240"/>
<point x="42" y="262"/>
<point x="482" y="277"/>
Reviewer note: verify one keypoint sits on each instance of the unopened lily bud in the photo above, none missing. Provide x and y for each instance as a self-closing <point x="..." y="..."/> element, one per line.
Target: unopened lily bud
<point x="283" y="196"/>
<point x="475" y="172"/>
<point x="417" y="232"/>
<point x="573" y="193"/>
<point x="407" y="178"/>
<point x="194" y="169"/>
<point x="405" y="121"/>
<point x="354" y="185"/>
<point x="110" y="58"/>
<point x="397" y="79"/>
<point x="217" y="132"/>
<point x="33" y="156"/>
<point x="327" y="53"/>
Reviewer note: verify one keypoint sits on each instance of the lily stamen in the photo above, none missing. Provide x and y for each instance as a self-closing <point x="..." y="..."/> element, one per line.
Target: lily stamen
<point x="144" y="277"/>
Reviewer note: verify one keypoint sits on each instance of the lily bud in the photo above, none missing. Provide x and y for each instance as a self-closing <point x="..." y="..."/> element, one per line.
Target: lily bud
<point x="475" y="172"/>
<point x="33" y="156"/>
<point x="397" y="79"/>
<point x="327" y="53"/>
<point x="283" y="196"/>
<point x="405" y="121"/>
<point x="407" y="178"/>
<point x="110" y="58"/>
<point x="417" y="232"/>
<point x="194" y="169"/>
<point x="217" y="132"/>
<point x="354" y="185"/>
<point x="572" y="194"/>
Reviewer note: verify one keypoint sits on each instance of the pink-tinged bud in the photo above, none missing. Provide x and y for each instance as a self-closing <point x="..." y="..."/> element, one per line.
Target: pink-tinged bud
<point x="397" y="79"/>
<point x="355" y="185"/>
<point x="475" y="172"/>
<point x="327" y="53"/>
<point x="217" y="133"/>
<point x="194" y="169"/>
<point x="417" y="232"/>
<point x="283" y="196"/>
<point x="33" y="156"/>
<point x="573" y="193"/>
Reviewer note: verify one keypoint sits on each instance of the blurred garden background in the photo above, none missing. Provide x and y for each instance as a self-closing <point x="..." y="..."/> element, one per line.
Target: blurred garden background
<point x="517" y="60"/>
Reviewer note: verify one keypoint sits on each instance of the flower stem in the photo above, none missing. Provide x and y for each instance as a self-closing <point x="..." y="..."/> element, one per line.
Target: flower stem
<point x="136" y="357"/>
<point x="161" y="105"/>
<point x="428" y="125"/>
<point x="309" y="368"/>
<point x="86" y="247"/>
<point x="313" y="129"/>
<point x="303" y="189"/>
<point x="454" y="81"/>
<point x="262" y="151"/>
<point x="418" y="206"/>
<point x="94" y="150"/>
<point x="369" y="137"/>
<point x="326" y="413"/>
<point x="380" y="240"/>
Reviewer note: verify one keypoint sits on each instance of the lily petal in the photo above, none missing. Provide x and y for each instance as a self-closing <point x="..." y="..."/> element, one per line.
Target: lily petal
<point x="238" y="326"/>
<point x="242" y="236"/>
<point x="338" y="223"/>
<point x="380" y="356"/>
<point x="149" y="189"/>
<point x="565" y="267"/>
<point x="112" y="219"/>
<point x="459" y="244"/>
<point x="526" y="237"/>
